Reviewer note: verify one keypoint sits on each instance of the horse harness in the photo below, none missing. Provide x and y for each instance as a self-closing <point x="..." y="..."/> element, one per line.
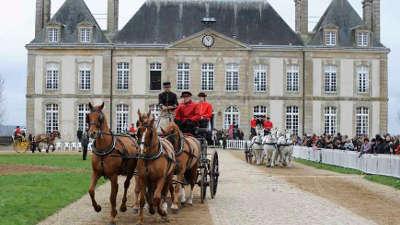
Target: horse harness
<point x="181" y="150"/>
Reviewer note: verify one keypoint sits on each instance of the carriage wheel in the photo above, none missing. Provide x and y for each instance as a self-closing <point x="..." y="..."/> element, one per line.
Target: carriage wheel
<point x="18" y="146"/>
<point x="203" y="185"/>
<point x="214" y="174"/>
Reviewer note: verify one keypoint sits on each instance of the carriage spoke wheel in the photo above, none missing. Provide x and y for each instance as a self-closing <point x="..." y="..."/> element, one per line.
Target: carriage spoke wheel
<point x="214" y="174"/>
<point x="203" y="185"/>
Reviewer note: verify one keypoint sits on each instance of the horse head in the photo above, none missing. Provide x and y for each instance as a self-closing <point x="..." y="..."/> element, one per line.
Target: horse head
<point x="96" y="121"/>
<point x="147" y="133"/>
<point x="171" y="133"/>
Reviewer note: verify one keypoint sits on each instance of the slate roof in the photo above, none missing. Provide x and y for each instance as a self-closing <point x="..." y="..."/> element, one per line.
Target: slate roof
<point x="252" y="22"/>
<point x="70" y="15"/>
<point x="341" y="14"/>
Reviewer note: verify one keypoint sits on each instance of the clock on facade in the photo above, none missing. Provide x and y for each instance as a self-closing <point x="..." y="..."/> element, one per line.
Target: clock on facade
<point x="208" y="41"/>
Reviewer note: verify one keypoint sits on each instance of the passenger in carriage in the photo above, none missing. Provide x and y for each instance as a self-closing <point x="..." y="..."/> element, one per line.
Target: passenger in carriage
<point x="253" y="124"/>
<point x="205" y="110"/>
<point x="268" y="125"/>
<point x="187" y="116"/>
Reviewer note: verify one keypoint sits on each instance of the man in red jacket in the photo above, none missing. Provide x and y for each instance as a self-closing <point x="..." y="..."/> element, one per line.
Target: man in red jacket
<point x="253" y="124"/>
<point x="205" y="110"/>
<point x="186" y="115"/>
<point x="268" y="126"/>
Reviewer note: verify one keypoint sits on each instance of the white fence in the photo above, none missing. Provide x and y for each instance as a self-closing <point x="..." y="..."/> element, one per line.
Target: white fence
<point x="388" y="165"/>
<point x="237" y="144"/>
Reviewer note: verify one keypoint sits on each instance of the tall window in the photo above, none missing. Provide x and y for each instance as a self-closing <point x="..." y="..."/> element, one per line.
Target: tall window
<point x="85" y="33"/>
<point x="52" y="76"/>
<point x="330" y="82"/>
<point x="122" y="118"/>
<point x="362" y="79"/>
<point x="83" y="110"/>
<point x="183" y="76"/>
<point x="362" y="121"/>
<point x="123" y="76"/>
<point x="155" y="110"/>
<point x="231" y="117"/>
<point x="207" y="77"/>
<point x="292" y="119"/>
<point x="260" y="78"/>
<point x="155" y="76"/>
<point x="330" y="120"/>
<point x="330" y="38"/>
<point x="85" y="77"/>
<point x="362" y="39"/>
<point x="52" y="34"/>
<point x="260" y="110"/>
<point x="232" y="77"/>
<point x="292" y="78"/>
<point x="51" y="118"/>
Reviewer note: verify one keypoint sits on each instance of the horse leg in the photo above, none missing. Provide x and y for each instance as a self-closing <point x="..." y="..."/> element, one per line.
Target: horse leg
<point x="136" y="206"/>
<point x="193" y="180"/>
<point x="157" y="199"/>
<point x="127" y="183"/>
<point x="177" y="189"/>
<point x="164" y="194"/>
<point x="93" y="182"/>
<point x="113" y="198"/>
<point x="142" y="202"/>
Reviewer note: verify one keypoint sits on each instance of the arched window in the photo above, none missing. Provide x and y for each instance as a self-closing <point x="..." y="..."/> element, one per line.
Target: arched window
<point x="155" y="110"/>
<point x="330" y="120"/>
<point x="52" y="117"/>
<point x="259" y="111"/>
<point x="83" y="110"/>
<point x="362" y="121"/>
<point x="292" y="119"/>
<point x="231" y="117"/>
<point x="122" y="118"/>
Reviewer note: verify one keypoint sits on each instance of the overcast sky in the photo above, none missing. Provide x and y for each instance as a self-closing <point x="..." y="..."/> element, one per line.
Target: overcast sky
<point x="17" y="29"/>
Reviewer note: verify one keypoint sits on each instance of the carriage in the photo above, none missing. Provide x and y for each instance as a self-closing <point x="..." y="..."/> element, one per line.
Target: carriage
<point x="20" y="144"/>
<point x="209" y="167"/>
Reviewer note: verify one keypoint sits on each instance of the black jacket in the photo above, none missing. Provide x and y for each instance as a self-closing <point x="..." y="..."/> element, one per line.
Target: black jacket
<point x="168" y="99"/>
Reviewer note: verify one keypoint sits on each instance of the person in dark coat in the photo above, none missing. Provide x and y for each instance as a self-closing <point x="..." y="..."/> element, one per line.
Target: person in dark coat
<point x="85" y="143"/>
<point x="79" y="135"/>
<point x="167" y="100"/>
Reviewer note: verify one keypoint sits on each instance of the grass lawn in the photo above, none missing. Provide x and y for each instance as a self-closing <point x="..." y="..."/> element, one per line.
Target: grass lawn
<point x="29" y="198"/>
<point x="385" y="180"/>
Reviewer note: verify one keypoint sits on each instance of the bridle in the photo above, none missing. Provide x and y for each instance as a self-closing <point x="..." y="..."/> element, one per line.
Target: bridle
<point x="98" y="124"/>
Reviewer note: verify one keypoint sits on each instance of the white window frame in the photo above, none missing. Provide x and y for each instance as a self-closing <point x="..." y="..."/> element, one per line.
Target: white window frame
<point x="183" y="76"/>
<point x="51" y="118"/>
<point x="292" y="119"/>
<point x="362" y="121"/>
<point x="260" y="78"/>
<point x="362" y="39"/>
<point x="232" y="77"/>
<point x="122" y="120"/>
<point x="330" y="120"/>
<point x="330" y="79"/>
<point x="83" y="110"/>
<point x="85" y="77"/>
<point x="330" y="38"/>
<point x="207" y="76"/>
<point x="154" y="67"/>
<point x="260" y="110"/>
<point x="293" y="78"/>
<point x="155" y="110"/>
<point x="231" y="115"/>
<point x="53" y="34"/>
<point x="85" y="34"/>
<point x="362" y="79"/>
<point x="52" y="76"/>
<point x="123" y="72"/>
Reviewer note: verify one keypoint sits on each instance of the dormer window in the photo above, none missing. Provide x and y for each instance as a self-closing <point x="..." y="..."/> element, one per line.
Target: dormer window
<point x="330" y="38"/>
<point x="363" y="39"/>
<point x="53" y="34"/>
<point x="85" y="34"/>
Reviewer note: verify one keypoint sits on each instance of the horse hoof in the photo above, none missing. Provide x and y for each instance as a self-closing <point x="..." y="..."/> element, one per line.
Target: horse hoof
<point x="97" y="208"/>
<point x="164" y="219"/>
<point x="152" y="211"/>
<point x="135" y="210"/>
<point x="122" y="209"/>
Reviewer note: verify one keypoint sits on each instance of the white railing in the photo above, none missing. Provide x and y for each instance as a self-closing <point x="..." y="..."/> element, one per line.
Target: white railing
<point x="387" y="165"/>
<point x="237" y="144"/>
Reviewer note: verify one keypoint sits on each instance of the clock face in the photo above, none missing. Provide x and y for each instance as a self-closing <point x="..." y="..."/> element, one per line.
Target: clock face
<point x="208" y="40"/>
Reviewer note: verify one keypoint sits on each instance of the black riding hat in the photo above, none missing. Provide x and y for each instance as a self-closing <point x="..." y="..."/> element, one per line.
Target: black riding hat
<point x="202" y="94"/>
<point x="167" y="83"/>
<point x="186" y="94"/>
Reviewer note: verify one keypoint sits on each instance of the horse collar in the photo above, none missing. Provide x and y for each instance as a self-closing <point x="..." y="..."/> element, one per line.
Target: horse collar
<point x="155" y="156"/>
<point x="104" y="152"/>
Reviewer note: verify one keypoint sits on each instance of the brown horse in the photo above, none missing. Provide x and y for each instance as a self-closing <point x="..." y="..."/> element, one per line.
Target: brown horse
<point x="113" y="155"/>
<point x="155" y="168"/>
<point x="187" y="153"/>
<point x="48" y="139"/>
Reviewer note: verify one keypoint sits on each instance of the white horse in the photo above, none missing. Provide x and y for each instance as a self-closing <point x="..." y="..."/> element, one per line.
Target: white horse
<point x="285" y="145"/>
<point x="270" y="148"/>
<point x="257" y="144"/>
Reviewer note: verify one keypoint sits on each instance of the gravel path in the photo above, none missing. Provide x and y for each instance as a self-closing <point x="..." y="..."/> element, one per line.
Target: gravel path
<point x="247" y="196"/>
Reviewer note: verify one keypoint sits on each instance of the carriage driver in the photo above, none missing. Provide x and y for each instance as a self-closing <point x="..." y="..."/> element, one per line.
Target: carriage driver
<point x="186" y="115"/>
<point x="268" y="125"/>
<point x="167" y="100"/>
<point x="205" y="110"/>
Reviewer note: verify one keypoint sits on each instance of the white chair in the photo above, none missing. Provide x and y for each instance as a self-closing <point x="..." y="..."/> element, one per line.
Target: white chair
<point x="67" y="145"/>
<point x="79" y="146"/>
<point x="58" y="146"/>
<point x="90" y="146"/>
<point x="73" y="146"/>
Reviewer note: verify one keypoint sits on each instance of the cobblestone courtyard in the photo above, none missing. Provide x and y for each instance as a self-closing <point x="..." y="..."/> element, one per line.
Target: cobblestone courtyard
<point x="250" y="195"/>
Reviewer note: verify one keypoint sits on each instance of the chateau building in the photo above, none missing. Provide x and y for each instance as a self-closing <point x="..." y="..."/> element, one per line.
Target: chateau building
<point x="241" y="53"/>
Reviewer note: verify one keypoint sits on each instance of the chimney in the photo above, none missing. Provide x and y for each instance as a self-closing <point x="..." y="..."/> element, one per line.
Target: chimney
<point x="43" y="10"/>
<point x="367" y="13"/>
<point x="112" y="16"/>
<point x="301" y="7"/>
<point x="376" y="19"/>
